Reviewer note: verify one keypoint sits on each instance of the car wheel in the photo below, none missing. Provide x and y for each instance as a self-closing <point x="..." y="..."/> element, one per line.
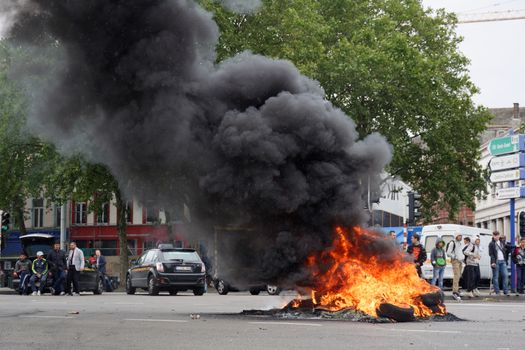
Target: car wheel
<point x="173" y="292"/>
<point x="222" y="287"/>
<point x="273" y="290"/>
<point x="153" y="289"/>
<point x="100" y="287"/>
<point x="254" y="291"/>
<point x="129" y="289"/>
<point x="198" y="291"/>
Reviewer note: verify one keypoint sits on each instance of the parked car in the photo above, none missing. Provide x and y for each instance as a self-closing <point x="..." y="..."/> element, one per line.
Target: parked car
<point x="167" y="269"/>
<point x="223" y="287"/>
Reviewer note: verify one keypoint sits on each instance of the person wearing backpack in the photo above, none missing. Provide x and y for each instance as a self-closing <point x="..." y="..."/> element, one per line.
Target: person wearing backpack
<point x="498" y="254"/>
<point x="454" y="251"/>
<point x="438" y="257"/>
<point x="518" y="257"/>
<point x="471" y="253"/>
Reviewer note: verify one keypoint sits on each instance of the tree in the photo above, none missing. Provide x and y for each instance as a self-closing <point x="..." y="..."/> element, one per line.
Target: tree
<point x="393" y="67"/>
<point x="24" y="159"/>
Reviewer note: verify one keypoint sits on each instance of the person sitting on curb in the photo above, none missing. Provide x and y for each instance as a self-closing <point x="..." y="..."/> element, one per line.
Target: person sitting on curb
<point x="438" y="257"/>
<point x="23" y="272"/>
<point x="418" y="252"/>
<point x="40" y="268"/>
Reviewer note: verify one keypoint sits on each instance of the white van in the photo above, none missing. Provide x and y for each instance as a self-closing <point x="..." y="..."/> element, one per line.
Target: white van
<point x="447" y="232"/>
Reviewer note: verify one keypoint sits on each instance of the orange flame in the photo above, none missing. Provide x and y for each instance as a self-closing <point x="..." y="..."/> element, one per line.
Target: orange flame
<point x="351" y="275"/>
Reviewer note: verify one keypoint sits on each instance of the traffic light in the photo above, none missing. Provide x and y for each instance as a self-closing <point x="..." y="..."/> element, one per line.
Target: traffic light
<point x="5" y="221"/>
<point x="414" y="205"/>
<point x="521" y="223"/>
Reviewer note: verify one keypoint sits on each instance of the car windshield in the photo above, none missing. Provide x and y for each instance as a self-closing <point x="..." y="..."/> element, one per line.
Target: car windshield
<point x="185" y="256"/>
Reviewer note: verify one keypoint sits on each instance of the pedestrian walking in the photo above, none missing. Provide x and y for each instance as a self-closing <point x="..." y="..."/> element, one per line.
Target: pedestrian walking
<point x="454" y="251"/>
<point x="23" y="272"/>
<point x="100" y="264"/>
<point x="498" y="262"/>
<point x="40" y="268"/>
<point x="418" y="253"/>
<point x="57" y="266"/>
<point x="471" y="253"/>
<point x="75" y="264"/>
<point x="438" y="257"/>
<point x="518" y="257"/>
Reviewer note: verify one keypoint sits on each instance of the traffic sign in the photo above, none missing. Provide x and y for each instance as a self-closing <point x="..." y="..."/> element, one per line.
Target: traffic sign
<point x="507" y="144"/>
<point x="508" y="175"/>
<point x="511" y="161"/>
<point x="511" y="192"/>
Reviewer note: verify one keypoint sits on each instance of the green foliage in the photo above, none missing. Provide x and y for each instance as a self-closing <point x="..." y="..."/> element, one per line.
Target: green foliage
<point x="393" y="67"/>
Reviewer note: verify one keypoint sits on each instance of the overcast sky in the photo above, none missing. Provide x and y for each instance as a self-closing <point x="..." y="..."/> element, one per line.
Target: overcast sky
<point x="496" y="50"/>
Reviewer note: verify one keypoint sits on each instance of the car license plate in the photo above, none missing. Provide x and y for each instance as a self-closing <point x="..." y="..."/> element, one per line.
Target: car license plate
<point x="183" y="268"/>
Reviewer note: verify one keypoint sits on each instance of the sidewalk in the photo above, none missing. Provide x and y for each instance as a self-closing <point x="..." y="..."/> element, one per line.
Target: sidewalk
<point x="487" y="296"/>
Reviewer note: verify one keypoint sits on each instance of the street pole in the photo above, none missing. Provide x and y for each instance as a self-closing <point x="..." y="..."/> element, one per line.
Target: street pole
<point x="512" y="238"/>
<point x="512" y="231"/>
<point x="63" y="216"/>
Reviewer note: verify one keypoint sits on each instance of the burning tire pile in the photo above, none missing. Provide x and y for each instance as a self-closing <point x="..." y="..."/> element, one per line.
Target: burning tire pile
<point x="386" y="312"/>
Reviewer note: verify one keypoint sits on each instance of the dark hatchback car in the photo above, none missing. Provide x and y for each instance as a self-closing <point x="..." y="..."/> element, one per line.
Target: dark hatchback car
<point x="167" y="269"/>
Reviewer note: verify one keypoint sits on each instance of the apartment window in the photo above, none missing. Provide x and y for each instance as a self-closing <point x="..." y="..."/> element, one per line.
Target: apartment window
<point x="132" y="246"/>
<point x="148" y="245"/>
<point x="107" y="247"/>
<point x="81" y="213"/>
<point x="103" y="215"/>
<point x="58" y="215"/>
<point x="152" y="214"/>
<point x="38" y="212"/>
<point x="129" y="212"/>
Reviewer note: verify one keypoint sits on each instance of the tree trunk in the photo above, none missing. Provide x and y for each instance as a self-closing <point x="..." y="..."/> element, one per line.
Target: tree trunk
<point x="19" y="213"/>
<point x="122" y="235"/>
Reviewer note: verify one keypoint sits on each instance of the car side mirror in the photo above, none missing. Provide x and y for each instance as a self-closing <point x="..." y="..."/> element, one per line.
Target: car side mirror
<point x="133" y="262"/>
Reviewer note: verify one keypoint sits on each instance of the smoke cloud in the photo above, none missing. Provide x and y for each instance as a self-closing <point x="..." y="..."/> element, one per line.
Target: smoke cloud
<point x="250" y="143"/>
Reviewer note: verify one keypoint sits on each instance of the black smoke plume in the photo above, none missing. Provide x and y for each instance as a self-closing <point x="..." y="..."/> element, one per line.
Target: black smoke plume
<point x="248" y="143"/>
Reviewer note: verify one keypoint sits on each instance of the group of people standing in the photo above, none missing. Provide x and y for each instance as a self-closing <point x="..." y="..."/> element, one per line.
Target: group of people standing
<point x="465" y="257"/>
<point x="64" y="269"/>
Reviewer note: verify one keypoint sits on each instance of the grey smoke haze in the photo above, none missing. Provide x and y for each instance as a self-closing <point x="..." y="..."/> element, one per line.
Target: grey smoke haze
<point x="241" y="6"/>
<point x="249" y="142"/>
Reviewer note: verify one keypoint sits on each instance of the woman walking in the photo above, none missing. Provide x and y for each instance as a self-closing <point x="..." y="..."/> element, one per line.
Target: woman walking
<point x="471" y="252"/>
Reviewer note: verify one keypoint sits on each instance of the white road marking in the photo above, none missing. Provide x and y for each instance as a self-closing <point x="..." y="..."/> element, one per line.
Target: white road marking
<point x="44" y="316"/>
<point x="424" y="331"/>
<point x="153" y="320"/>
<point x="290" y="323"/>
<point x="127" y="303"/>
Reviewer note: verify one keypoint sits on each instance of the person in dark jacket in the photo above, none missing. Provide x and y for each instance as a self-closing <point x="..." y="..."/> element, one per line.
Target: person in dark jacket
<point x="23" y="271"/>
<point x="498" y="261"/>
<point x="40" y="269"/>
<point x="418" y="252"/>
<point x="438" y="257"/>
<point x="57" y="266"/>
<point x="518" y="257"/>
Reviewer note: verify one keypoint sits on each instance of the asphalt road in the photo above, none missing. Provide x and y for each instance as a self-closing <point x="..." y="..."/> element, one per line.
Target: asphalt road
<point x="117" y="321"/>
